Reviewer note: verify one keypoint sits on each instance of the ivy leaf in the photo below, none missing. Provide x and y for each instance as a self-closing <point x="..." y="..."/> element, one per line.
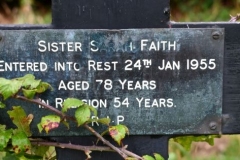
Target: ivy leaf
<point x="10" y="156"/>
<point x="20" y="119"/>
<point x="118" y="132"/>
<point x="2" y="155"/>
<point x="93" y="110"/>
<point x="186" y="141"/>
<point x="42" y="87"/>
<point x="9" y="88"/>
<point x="105" y="121"/>
<point x="2" y="105"/>
<point x="20" y="142"/>
<point x="82" y="115"/>
<point x="39" y="150"/>
<point x="5" y="136"/>
<point x="29" y="93"/>
<point x="30" y="157"/>
<point x="147" y="157"/>
<point x="48" y="123"/>
<point x="29" y="81"/>
<point x="158" y="156"/>
<point x="71" y="102"/>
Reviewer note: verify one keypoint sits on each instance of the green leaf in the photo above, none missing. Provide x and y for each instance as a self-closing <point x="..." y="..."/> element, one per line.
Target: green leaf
<point x="5" y="136"/>
<point x="48" y="123"/>
<point x="31" y="157"/>
<point x="9" y="88"/>
<point x="11" y="156"/>
<point x="39" y="150"/>
<point x="51" y="154"/>
<point x="118" y="132"/>
<point x="20" y="119"/>
<point x="29" y="82"/>
<point x="105" y="121"/>
<point x="158" y="156"/>
<point x="20" y="142"/>
<point x="2" y="127"/>
<point x="2" y="155"/>
<point x="71" y="102"/>
<point x="45" y="152"/>
<point x="147" y="157"/>
<point x="40" y="128"/>
<point x="43" y="86"/>
<point x="93" y="110"/>
<point x="82" y="115"/>
<point x="186" y="141"/>
<point x="29" y="93"/>
<point x="130" y="158"/>
<point x="2" y="105"/>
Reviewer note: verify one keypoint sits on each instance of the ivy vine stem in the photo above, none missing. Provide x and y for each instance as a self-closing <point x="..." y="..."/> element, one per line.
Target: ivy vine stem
<point x="71" y="146"/>
<point x="84" y="148"/>
<point x="105" y="141"/>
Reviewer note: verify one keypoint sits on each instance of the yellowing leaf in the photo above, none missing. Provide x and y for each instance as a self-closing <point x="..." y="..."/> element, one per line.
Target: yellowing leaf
<point x="9" y="88"/>
<point x="82" y="115"/>
<point x="71" y="102"/>
<point x="48" y="123"/>
<point x="20" y="119"/>
<point x="118" y="132"/>
<point x="20" y="142"/>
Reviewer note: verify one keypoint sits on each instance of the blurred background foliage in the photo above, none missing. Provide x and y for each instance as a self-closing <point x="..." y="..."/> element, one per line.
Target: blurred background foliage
<point x="25" y="12"/>
<point x="203" y="10"/>
<point x="225" y="148"/>
<point x="39" y="11"/>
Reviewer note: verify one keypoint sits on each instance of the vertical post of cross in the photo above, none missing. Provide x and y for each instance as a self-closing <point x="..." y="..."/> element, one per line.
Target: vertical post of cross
<point x="112" y="14"/>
